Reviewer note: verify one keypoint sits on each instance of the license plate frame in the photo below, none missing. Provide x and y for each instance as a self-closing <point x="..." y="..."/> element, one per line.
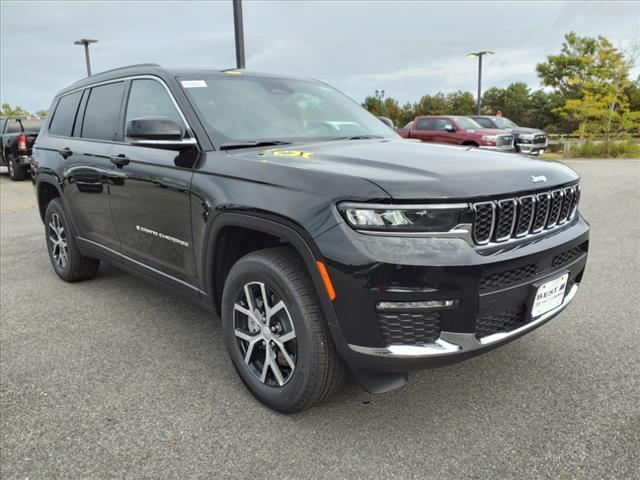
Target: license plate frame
<point x="555" y="288"/>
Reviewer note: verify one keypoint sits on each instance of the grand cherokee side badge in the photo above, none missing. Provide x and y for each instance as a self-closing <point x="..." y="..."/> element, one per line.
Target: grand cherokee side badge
<point x="538" y="178"/>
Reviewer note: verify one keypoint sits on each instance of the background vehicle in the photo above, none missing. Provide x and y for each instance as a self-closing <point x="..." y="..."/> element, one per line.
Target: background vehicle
<point x="527" y="140"/>
<point x="17" y="136"/>
<point x="318" y="250"/>
<point x="456" y="130"/>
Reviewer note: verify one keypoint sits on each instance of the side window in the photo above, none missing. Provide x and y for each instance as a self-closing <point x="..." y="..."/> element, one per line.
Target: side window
<point x="425" y="124"/>
<point x="408" y="126"/>
<point x="485" y="122"/>
<point x="65" y="114"/>
<point x="148" y="98"/>
<point x="102" y="112"/>
<point x="442" y="124"/>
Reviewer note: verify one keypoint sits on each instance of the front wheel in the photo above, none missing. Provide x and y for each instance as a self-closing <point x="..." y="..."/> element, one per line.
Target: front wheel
<point x="275" y="332"/>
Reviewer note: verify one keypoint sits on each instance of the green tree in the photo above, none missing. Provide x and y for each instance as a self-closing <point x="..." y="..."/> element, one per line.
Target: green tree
<point x="8" y="111"/>
<point x="431" y="105"/>
<point x="493" y="100"/>
<point x="460" y="103"/>
<point x="42" y="113"/>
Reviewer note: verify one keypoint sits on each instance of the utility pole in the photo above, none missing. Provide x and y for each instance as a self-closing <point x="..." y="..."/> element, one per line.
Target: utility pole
<point x="239" y="30"/>
<point x="479" y="55"/>
<point x="86" y="42"/>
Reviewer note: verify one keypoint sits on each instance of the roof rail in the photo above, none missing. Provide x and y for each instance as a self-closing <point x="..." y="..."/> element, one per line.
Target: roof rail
<point x="128" y="66"/>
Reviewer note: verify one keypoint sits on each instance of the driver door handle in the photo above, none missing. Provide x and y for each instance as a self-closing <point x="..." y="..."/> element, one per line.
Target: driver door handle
<point x="119" y="160"/>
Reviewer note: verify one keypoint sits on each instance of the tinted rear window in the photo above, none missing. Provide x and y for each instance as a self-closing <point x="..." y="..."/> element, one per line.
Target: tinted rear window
<point x="102" y="112"/>
<point x="65" y="115"/>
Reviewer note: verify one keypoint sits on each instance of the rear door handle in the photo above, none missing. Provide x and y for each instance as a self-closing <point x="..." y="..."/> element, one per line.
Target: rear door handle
<point x="65" y="153"/>
<point x="119" y="160"/>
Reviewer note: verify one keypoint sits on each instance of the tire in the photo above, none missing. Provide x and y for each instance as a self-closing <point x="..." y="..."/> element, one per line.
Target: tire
<point x="67" y="261"/>
<point x="16" y="172"/>
<point x="316" y="371"/>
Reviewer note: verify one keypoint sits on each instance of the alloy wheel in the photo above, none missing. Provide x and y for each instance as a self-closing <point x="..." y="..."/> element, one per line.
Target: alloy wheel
<point x="265" y="334"/>
<point x="58" y="239"/>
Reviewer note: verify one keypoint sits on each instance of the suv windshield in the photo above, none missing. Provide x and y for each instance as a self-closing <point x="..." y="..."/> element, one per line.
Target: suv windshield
<point x="238" y="108"/>
<point x="467" y="123"/>
<point x="502" y="122"/>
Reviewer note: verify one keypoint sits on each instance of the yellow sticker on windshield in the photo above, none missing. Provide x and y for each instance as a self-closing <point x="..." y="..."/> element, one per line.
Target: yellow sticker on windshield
<point x="288" y="153"/>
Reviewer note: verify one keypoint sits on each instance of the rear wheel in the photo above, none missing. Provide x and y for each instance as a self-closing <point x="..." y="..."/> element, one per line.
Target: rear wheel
<point x="275" y="332"/>
<point x="16" y="172"/>
<point x="67" y="261"/>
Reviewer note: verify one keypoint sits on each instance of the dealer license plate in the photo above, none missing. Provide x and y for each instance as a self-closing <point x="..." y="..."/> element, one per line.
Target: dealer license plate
<point x="549" y="295"/>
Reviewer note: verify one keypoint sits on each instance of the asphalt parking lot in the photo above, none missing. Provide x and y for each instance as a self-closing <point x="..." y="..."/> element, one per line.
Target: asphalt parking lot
<point x="115" y="378"/>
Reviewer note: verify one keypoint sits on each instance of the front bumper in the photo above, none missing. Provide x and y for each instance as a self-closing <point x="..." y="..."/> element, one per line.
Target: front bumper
<point x="369" y="269"/>
<point x="501" y="148"/>
<point x="454" y="343"/>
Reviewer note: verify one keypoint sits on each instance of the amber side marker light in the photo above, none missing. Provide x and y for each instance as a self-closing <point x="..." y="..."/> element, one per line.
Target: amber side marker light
<point x="327" y="281"/>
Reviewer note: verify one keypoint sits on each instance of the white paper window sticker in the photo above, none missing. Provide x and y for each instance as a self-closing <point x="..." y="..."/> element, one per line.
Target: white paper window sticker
<point x="193" y="83"/>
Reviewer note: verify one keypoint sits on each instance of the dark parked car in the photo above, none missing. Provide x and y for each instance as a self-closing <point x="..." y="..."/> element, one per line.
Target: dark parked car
<point x="320" y="237"/>
<point x="527" y="140"/>
<point x="454" y="130"/>
<point x="17" y="137"/>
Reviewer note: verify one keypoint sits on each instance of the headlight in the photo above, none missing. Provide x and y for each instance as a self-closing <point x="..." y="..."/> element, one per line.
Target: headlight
<point x="403" y="218"/>
<point x="489" y="138"/>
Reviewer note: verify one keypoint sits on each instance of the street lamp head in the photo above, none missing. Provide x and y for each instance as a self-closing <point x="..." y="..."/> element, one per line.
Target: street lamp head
<point x="486" y="53"/>
<point x="84" y="41"/>
<point x="472" y="55"/>
<point x="480" y="54"/>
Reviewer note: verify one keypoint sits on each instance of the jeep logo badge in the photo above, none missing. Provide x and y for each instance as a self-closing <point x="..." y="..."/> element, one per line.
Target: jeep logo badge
<point x="538" y="178"/>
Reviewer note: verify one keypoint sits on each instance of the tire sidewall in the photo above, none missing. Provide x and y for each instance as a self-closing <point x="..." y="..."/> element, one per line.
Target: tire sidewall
<point x="293" y="392"/>
<point x="55" y="207"/>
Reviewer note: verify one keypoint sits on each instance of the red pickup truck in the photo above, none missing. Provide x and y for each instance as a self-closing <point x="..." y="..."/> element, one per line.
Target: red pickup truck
<point x="457" y="131"/>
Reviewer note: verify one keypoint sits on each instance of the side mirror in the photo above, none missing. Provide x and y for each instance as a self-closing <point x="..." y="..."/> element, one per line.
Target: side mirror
<point x="158" y="132"/>
<point x="450" y="128"/>
<point x="388" y="122"/>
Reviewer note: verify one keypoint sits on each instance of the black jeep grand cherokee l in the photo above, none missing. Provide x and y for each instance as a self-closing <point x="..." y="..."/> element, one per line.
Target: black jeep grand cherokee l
<point x="321" y="237"/>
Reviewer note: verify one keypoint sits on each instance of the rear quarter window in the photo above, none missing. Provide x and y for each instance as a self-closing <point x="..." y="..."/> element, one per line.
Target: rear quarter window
<point x="65" y="115"/>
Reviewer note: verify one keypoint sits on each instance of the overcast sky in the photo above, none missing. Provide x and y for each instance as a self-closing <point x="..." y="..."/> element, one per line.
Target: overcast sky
<point x="406" y="48"/>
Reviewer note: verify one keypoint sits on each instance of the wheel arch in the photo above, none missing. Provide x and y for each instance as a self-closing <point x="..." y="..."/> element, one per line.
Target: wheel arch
<point x="47" y="190"/>
<point x="302" y="243"/>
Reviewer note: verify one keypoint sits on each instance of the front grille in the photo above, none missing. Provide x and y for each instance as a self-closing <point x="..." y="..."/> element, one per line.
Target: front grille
<point x="504" y="321"/>
<point x="508" y="277"/>
<point x="501" y="220"/>
<point x="409" y="328"/>
<point x="540" y="139"/>
<point x="566" y="256"/>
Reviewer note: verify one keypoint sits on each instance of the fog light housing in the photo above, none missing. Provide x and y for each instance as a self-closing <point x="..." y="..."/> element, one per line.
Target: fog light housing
<point x="419" y="305"/>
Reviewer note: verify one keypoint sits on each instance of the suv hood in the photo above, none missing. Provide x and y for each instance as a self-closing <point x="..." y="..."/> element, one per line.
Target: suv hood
<point x="412" y="170"/>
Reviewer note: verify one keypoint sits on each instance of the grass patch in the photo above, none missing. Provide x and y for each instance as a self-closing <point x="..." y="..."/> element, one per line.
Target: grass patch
<point x="627" y="149"/>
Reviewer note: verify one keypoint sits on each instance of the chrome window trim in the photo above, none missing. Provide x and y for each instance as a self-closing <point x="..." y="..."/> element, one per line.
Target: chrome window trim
<point x="124" y="79"/>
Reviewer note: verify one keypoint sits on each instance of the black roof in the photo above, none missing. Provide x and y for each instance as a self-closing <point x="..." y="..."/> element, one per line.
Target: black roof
<point x="155" y="69"/>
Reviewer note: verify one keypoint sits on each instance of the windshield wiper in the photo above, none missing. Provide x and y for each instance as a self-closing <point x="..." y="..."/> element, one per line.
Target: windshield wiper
<point x="357" y="137"/>
<point x="253" y="143"/>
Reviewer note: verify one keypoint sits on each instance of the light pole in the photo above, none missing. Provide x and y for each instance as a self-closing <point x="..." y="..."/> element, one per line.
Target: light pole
<point x="239" y="30"/>
<point x="479" y="55"/>
<point x="86" y="42"/>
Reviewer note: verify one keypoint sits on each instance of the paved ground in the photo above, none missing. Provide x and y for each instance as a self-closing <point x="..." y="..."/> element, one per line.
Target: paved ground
<point x="113" y="378"/>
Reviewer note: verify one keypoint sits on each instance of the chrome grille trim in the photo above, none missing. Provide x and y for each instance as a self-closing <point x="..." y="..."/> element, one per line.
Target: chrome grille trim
<point x="532" y="214"/>
<point x="484" y="239"/>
